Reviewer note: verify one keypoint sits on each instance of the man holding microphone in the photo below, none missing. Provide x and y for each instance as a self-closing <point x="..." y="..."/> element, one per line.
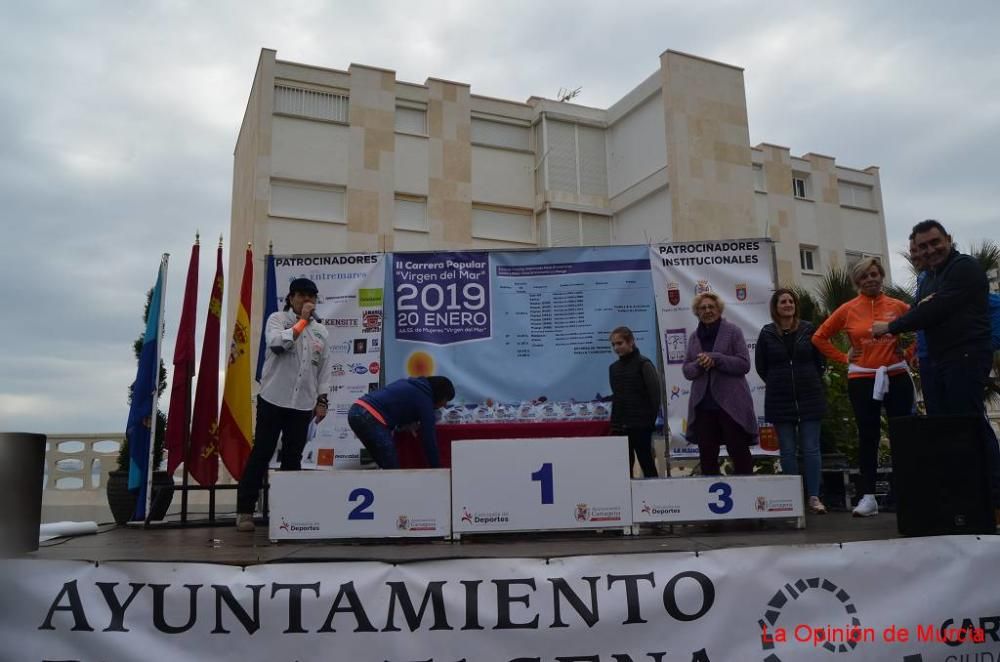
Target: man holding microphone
<point x="294" y="384"/>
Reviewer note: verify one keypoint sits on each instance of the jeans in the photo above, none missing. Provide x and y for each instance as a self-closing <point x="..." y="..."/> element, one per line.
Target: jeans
<point x="960" y="388"/>
<point x="868" y="417"/>
<point x="374" y="436"/>
<point x="804" y="435"/>
<point x="272" y="421"/>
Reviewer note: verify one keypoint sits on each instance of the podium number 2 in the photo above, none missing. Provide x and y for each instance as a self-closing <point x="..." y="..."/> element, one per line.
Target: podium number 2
<point x="544" y="476"/>
<point x="367" y="498"/>
<point x="724" y="493"/>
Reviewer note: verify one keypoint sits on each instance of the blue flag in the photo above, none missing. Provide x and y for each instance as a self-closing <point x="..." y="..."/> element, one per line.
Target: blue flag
<point x="141" y="416"/>
<point x="270" y="306"/>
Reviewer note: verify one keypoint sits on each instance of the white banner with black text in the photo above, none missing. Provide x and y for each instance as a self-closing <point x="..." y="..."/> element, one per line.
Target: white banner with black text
<point x="909" y="600"/>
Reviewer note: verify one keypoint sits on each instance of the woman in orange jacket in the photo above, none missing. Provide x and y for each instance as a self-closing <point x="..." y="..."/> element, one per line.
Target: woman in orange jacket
<point x="877" y="374"/>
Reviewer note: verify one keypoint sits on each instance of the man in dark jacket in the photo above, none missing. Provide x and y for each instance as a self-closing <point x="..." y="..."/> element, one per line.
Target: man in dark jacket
<point x="954" y="314"/>
<point x="374" y="416"/>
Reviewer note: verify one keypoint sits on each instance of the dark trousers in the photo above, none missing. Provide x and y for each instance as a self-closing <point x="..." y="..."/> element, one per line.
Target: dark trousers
<point x="374" y="436"/>
<point x="715" y="427"/>
<point x="928" y="385"/>
<point x="868" y="417"/>
<point x="640" y="443"/>
<point x="959" y="389"/>
<point x="273" y="421"/>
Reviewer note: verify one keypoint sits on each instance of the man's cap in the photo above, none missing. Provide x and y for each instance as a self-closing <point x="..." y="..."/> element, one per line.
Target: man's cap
<point x="302" y="285"/>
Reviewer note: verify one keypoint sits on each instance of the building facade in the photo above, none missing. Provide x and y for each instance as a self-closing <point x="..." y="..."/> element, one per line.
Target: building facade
<point x="356" y="160"/>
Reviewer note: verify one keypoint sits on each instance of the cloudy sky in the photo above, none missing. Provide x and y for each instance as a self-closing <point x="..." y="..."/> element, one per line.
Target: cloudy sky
<point x="119" y="120"/>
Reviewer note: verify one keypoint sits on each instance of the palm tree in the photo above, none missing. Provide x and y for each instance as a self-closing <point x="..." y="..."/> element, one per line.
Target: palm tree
<point x="809" y="308"/>
<point x="987" y="253"/>
<point x="836" y="288"/>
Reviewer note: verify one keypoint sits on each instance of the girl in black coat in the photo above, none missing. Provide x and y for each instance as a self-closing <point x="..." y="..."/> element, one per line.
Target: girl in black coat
<point x="794" y="402"/>
<point x="635" y="399"/>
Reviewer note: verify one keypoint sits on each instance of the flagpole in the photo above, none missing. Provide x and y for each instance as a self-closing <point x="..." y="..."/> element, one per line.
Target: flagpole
<point x="164" y="259"/>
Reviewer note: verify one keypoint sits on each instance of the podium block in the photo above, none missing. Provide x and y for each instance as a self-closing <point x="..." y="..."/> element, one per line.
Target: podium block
<point x="540" y="484"/>
<point x="714" y="498"/>
<point x="412" y="503"/>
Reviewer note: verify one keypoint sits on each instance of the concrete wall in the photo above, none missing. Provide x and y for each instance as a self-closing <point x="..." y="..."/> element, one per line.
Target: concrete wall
<point x="708" y="148"/>
<point x="647" y="220"/>
<point x="637" y="145"/>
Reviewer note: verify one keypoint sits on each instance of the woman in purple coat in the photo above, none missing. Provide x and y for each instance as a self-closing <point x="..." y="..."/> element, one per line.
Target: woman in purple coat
<point x="720" y="409"/>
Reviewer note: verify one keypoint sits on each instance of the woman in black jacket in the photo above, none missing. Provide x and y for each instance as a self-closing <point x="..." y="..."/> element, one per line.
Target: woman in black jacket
<point x="794" y="402"/>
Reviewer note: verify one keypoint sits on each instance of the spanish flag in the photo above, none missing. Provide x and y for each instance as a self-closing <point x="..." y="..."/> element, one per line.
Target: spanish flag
<point x="235" y="424"/>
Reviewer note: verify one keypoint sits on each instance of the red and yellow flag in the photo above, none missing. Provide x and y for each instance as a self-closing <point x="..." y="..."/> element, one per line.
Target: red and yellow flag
<point x="203" y="455"/>
<point x="235" y="420"/>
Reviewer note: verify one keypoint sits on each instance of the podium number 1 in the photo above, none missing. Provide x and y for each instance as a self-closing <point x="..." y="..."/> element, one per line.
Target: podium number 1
<point x="544" y="476"/>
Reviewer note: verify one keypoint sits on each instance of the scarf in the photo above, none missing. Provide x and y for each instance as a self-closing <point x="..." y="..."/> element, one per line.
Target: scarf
<point x="707" y="333"/>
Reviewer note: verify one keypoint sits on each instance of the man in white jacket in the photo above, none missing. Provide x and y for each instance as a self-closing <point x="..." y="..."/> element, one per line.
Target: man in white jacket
<point x="293" y="384"/>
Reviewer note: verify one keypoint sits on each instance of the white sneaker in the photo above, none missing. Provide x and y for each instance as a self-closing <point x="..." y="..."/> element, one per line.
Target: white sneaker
<point x="867" y="507"/>
<point x="816" y="506"/>
<point x="244" y="522"/>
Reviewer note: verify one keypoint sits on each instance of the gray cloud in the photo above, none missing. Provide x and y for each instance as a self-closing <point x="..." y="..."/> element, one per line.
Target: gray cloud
<point x="119" y="122"/>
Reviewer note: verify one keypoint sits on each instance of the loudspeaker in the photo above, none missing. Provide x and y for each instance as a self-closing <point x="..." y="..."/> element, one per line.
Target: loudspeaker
<point x="941" y="474"/>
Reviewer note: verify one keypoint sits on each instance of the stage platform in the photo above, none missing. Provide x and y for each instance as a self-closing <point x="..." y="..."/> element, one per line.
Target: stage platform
<point x="225" y="545"/>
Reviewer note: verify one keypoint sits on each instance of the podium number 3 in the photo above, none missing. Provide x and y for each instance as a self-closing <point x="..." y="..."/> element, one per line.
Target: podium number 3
<point x="544" y="476"/>
<point x="367" y="498"/>
<point x="724" y="494"/>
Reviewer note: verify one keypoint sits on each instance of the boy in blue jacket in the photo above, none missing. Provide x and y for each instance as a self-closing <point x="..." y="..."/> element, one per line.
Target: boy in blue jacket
<point x="374" y="416"/>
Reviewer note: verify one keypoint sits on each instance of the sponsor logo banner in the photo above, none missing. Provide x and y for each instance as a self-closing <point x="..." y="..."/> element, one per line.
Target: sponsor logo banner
<point x="741" y="273"/>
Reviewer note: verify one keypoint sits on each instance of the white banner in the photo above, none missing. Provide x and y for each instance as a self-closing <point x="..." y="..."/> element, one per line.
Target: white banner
<point x="350" y="305"/>
<point x="741" y="271"/>
<point x="860" y="601"/>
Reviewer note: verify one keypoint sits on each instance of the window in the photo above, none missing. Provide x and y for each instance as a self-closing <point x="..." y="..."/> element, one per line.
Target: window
<point x="310" y="103"/>
<point x="856" y="195"/>
<point x="312" y="202"/>
<point x="851" y="258"/>
<point x="570" y="228"/>
<point x="800" y="188"/>
<point x="501" y="134"/>
<point x="411" y="118"/>
<point x="503" y="224"/>
<point x="808" y="260"/>
<point x="410" y="213"/>
<point x="759" y="181"/>
<point x="575" y="158"/>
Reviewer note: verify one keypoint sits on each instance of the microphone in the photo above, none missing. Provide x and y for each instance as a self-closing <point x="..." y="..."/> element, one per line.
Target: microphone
<point x="314" y="317"/>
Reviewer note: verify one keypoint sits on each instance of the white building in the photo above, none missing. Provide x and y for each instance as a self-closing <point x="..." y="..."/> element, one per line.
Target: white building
<point x="355" y="160"/>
